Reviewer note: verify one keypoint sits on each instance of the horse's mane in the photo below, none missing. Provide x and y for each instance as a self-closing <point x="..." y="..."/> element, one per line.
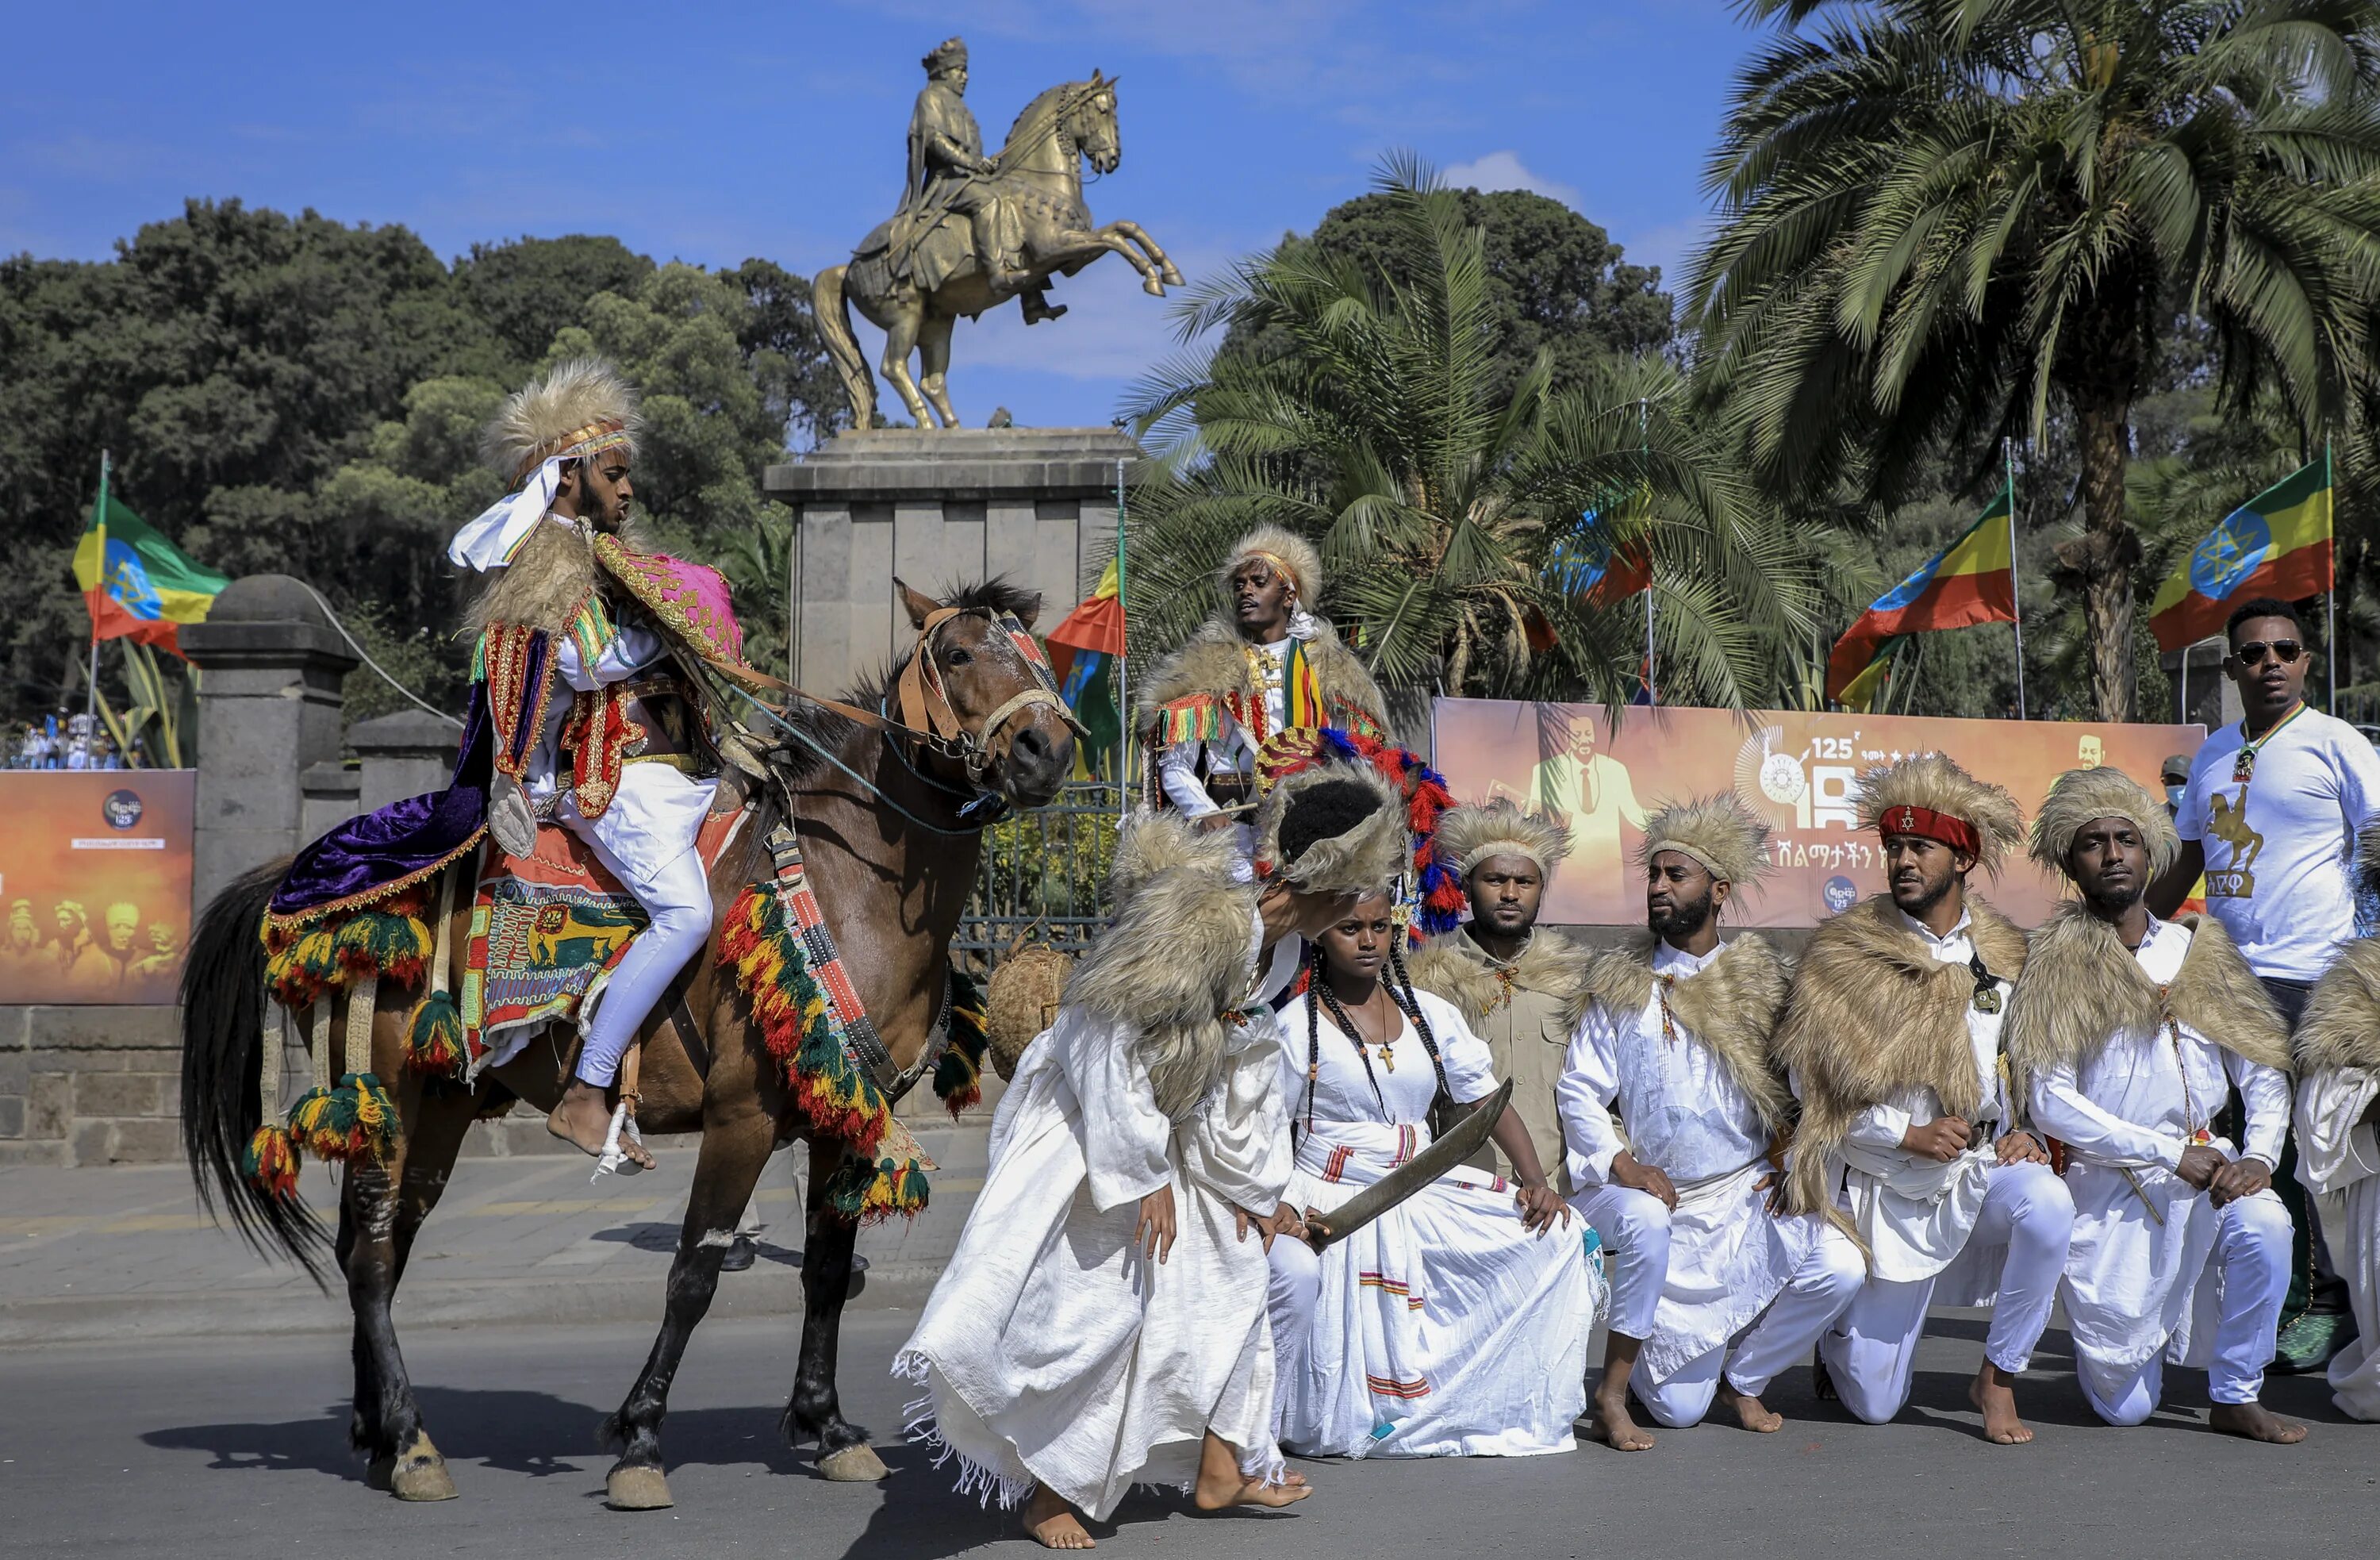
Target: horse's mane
<point x="799" y="761"/>
<point x="1030" y="109"/>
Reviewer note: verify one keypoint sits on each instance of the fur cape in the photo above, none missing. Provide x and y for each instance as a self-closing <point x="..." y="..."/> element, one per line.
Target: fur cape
<point x="1365" y="859"/>
<point x="1873" y="1012"/>
<point x="1732" y="1005"/>
<point x="1553" y="965"/>
<point x="2342" y="1027"/>
<point x="1214" y="661"/>
<point x="548" y="581"/>
<point x="1175" y="961"/>
<point x="2081" y="985"/>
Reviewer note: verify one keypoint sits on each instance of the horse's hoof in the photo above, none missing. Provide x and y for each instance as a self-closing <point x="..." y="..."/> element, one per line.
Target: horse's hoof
<point x="1171" y="278"/>
<point x="1154" y="288"/>
<point x="420" y="1473"/>
<point x="854" y="1464"/>
<point x="637" y="1487"/>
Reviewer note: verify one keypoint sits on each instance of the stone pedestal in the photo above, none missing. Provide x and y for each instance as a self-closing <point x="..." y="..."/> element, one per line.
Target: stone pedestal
<point x="269" y="709"/>
<point x="409" y="753"/>
<point x="938" y="507"/>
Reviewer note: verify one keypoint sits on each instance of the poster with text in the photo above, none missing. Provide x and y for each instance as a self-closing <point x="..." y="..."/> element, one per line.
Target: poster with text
<point x="95" y="876"/>
<point x="1795" y="769"/>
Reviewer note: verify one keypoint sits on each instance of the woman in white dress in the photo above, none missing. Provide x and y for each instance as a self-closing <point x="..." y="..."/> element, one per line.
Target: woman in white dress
<point x="1454" y="1324"/>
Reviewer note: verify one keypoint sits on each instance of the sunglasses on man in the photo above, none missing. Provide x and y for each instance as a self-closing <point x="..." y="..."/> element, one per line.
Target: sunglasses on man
<point x="2251" y="654"/>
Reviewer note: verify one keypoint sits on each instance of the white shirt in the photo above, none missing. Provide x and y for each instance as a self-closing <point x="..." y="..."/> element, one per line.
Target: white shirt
<point x="1682" y="1110"/>
<point x="2137" y="1102"/>
<point x="1883" y="1126"/>
<point x="1398" y="1096"/>
<point x="1177" y="770"/>
<point x="2279" y="846"/>
<point x="632" y="650"/>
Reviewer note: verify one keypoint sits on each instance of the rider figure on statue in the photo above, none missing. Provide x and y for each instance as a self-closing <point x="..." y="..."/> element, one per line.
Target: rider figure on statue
<point x="1264" y="664"/>
<point x="949" y="173"/>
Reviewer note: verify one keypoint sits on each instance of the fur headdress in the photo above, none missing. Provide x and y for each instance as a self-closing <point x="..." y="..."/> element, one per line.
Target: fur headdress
<point x="1468" y="835"/>
<point x="1286" y="550"/>
<point x="579" y="407"/>
<point x="1719" y="832"/>
<point x="1364" y="859"/>
<point x="1178" y="955"/>
<point x="1930" y="783"/>
<point x="2081" y="795"/>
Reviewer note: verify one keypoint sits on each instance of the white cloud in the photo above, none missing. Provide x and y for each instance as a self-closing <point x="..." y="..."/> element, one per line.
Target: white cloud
<point x="1666" y="246"/>
<point x="1504" y="170"/>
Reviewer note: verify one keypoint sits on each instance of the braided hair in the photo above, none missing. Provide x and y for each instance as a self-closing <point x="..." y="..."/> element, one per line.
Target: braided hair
<point x="1319" y="995"/>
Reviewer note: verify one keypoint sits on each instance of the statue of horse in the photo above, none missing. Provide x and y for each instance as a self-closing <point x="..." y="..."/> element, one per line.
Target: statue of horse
<point x="1040" y="178"/>
<point x="891" y="857"/>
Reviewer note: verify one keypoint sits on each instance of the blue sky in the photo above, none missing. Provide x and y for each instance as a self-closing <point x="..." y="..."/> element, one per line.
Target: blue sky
<point x="710" y="132"/>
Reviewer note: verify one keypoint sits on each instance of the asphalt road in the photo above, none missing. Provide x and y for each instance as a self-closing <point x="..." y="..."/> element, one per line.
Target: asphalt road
<point x="237" y="1447"/>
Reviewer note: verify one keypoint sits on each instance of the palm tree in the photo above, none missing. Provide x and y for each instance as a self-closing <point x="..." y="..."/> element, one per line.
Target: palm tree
<point x="1945" y="220"/>
<point x="1448" y="512"/>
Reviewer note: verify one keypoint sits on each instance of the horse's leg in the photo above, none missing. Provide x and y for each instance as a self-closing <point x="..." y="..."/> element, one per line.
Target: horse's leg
<point x="900" y="339"/>
<point x="403" y="1459"/>
<point x="1109" y="238"/>
<point x="1166" y="270"/>
<point x="725" y="1171"/>
<point x="934" y="358"/>
<point x="843" y="1451"/>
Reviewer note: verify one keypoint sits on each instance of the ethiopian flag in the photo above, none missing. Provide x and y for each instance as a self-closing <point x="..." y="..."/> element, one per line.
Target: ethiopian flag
<point x="136" y="584"/>
<point x="1973" y="580"/>
<point x="1084" y="650"/>
<point x="2275" y="545"/>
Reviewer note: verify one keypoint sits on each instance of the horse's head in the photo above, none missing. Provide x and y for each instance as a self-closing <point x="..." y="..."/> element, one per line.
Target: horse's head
<point x="982" y="686"/>
<point x="1089" y="121"/>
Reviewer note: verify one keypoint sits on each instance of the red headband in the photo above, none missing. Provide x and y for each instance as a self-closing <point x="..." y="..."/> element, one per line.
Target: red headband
<point x="1926" y="823"/>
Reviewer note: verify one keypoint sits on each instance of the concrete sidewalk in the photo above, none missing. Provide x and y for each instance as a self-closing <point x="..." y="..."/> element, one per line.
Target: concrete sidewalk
<point x="98" y="1254"/>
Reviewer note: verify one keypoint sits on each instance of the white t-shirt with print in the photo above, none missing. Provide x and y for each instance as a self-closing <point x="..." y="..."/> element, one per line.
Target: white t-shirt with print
<point x="2279" y="848"/>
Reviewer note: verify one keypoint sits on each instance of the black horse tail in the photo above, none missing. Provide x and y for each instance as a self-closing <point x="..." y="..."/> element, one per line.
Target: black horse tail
<point x="224" y="1038"/>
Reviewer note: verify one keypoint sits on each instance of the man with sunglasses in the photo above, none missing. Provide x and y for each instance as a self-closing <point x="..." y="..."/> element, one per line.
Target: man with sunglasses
<point x="2270" y="816"/>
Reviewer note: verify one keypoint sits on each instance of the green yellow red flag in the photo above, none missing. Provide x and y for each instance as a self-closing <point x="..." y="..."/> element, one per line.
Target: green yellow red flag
<point x="136" y="584"/>
<point x="2278" y="543"/>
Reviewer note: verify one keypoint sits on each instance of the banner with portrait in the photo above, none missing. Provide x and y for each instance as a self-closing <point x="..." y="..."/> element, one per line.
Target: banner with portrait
<point x="96" y="878"/>
<point x="1792" y="768"/>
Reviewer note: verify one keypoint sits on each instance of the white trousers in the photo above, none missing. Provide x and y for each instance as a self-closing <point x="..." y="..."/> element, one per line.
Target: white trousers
<point x="1635" y="1230"/>
<point x="646" y="839"/>
<point x="2252" y="1252"/>
<point x="1871" y="1352"/>
<point x="1821" y="1287"/>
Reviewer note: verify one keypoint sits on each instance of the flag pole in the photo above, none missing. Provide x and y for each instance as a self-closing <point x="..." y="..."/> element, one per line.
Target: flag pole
<point x="1645" y="448"/>
<point x="1123" y="666"/>
<point x="2016" y="592"/>
<point x="2330" y="596"/>
<point x="98" y="522"/>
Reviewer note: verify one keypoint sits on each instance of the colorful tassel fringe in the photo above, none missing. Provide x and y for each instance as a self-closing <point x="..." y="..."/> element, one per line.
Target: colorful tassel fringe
<point x="958" y="1076"/>
<point x="434" y="1037"/>
<point x="867" y="1191"/>
<point x="355" y="1120"/>
<point x="391" y="940"/>
<point x="272" y="1162"/>
<point x="838" y="1098"/>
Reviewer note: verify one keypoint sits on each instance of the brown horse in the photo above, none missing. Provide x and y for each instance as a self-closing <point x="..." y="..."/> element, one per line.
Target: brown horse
<point x="891" y="857"/>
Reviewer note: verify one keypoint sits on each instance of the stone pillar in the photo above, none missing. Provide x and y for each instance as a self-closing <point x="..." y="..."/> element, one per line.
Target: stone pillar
<point x="938" y="507"/>
<point x="268" y="710"/>
<point x="409" y="753"/>
<point x="330" y="789"/>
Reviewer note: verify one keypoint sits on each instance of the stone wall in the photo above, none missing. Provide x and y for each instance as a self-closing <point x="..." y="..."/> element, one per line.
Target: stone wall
<point x="90" y="1085"/>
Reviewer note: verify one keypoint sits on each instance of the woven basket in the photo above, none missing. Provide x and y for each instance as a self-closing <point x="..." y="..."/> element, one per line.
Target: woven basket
<point x="1022" y="1001"/>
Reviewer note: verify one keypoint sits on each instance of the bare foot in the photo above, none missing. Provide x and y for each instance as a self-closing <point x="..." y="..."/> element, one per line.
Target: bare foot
<point x="583" y="1118"/>
<point x="1052" y="1522"/>
<point x="1220" y="1482"/>
<point x="1612" y="1425"/>
<point x="2256" y="1422"/>
<point x="1750" y="1412"/>
<point x="1991" y="1394"/>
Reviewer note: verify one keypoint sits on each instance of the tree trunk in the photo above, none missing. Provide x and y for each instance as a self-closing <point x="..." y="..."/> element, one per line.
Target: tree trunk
<point x="2105" y="556"/>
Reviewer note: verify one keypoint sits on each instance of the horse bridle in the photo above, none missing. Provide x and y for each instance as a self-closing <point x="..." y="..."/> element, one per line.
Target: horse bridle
<point x="926" y="711"/>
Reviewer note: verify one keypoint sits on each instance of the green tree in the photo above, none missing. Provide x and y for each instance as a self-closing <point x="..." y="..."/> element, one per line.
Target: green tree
<point x="1443" y="502"/>
<point x="1945" y="218"/>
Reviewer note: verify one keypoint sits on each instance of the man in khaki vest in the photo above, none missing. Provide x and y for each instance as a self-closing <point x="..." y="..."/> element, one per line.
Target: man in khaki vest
<point x="1521" y="987"/>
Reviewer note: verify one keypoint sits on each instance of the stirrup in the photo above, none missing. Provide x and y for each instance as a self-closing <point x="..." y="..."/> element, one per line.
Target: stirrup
<point x="614" y="1160"/>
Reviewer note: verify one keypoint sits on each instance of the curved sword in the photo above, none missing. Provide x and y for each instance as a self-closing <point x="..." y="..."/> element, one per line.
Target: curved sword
<point x="1412" y="1175"/>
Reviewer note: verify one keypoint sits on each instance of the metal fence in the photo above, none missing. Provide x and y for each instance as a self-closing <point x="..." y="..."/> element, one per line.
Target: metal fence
<point x="1043" y="877"/>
